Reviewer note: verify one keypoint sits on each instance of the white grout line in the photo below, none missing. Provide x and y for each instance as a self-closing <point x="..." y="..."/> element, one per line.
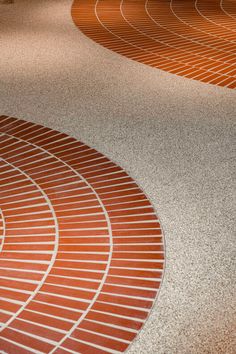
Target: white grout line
<point x="82" y="270"/>
<point x="131" y="44"/>
<point x="13" y="123"/>
<point x="153" y="279"/>
<point x="4" y="229"/>
<point x="18" y="194"/>
<point x="6" y="299"/>
<point x="141" y="309"/>
<point x="27" y="164"/>
<point x="35" y="235"/>
<point x="47" y="135"/>
<point x="19" y="154"/>
<point x="94" y="166"/>
<point x="48" y="175"/>
<point x="62" y="139"/>
<point x="180" y="35"/>
<point x="12" y="176"/>
<point x="78" y="152"/>
<point x="80" y="261"/>
<point x="6" y="312"/>
<point x="29" y="243"/>
<point x="67" y="277"/>
<point x="80" y="215"/>
<point x="133" y="193"/>
<point x="110" y="180"/>
<point x="41" y="166"/>
<point x="127" y="296"/>
<point x="117" y="185"/>
<point x="108" y="264"/>
<point x="129" y="330"/>
<point x="50" y="315"/>
<point x="75" y="209"/>
<point x="64" y="296"/>
<point x="22" y="179"/>
<point x="31" y="350"/>
<point x="5" y="119"/>
<point x="208" y="19"/>
<point x="120" y="316"/>
<point x="23" y="220"/>
<point x="29" y="252"/>
<point x="118" y="339"/>
<point x="83" y="237"/>
<point x="34" y="336"/>
<point x="160" y="41"/>
<point x="16" y="290"/>
<point x="21" y="201"/>
<point x="20" y="280"/>
<point x="27" y="206"/>
<point x="66" y="350"/>
<point x="36" y="129"/>
<point x="42" y="325"/>
<point x="138" y="268"/>
<point x="54" y="182"/>
<point x="227" y="13"/>
<point x="22" y="270"/>
<point x="83" y="252"/>
<point x="194" y="27"/>
<point x="69" y="191"/>
<point x="93" y="345"/>
<point x="126" y="286"/>
<point x="106" y="174"/>
<point x="24" y="261"/>
<point x="78" y="144"/>
<point x="32" y="155"/>
<point x="121" y="238"/>
<point x="53" y="255"/>
<point x="58" y="306"/>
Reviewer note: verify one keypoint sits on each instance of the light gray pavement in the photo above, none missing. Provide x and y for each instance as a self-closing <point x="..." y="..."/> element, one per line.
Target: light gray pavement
<point x="173" y="135"/>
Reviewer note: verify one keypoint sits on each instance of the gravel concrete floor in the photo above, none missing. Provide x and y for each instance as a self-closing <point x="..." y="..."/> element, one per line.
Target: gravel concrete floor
<point x="173" y="135"/>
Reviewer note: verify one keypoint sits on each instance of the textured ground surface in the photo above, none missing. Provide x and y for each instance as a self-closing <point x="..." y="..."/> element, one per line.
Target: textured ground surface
<point x="195" y="39"/>
<point x="173" y="135"/>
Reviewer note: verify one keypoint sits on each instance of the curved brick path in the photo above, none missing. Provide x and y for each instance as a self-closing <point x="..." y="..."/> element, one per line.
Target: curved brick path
<point x="82" y="250"/>
<point x="195" y="39"/>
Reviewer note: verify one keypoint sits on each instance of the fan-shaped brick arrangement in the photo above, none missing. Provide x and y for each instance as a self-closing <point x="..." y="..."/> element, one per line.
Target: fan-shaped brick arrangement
<point x="82" y="254"/>
<point x="191" y="38"/>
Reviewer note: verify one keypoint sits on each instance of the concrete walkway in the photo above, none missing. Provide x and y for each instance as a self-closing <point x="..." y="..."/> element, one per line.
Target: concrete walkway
<point x="174" y="136"/>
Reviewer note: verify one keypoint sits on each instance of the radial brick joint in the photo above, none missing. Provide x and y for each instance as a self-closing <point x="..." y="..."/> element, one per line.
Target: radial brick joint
<point x="191" y="38"/>
<point x="81" y="248"/>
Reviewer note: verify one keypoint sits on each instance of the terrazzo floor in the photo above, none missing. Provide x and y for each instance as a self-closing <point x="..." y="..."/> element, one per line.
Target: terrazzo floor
<point x="173" y="135"/>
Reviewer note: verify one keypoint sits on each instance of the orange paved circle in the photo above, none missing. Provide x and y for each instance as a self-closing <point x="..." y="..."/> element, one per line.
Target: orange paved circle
<point x="195" y="38"/>
<point x="81" y="252"/>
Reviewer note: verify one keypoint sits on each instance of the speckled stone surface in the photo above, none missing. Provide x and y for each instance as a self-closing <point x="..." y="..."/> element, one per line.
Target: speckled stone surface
<point x="175" y="137"/>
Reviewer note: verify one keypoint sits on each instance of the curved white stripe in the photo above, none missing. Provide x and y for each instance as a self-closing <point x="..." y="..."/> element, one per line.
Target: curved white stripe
<point x="208" y="19"/>
<point x="219" y="63"/>
<point x="196" y="28"/>
<point x="146" y="50"/>
<point x="54" y="251"/>
<point x="185" y="37"/>
<point x="110" y="238"/>
<point x="223" y="9"/>
<point x="4" y="229"/>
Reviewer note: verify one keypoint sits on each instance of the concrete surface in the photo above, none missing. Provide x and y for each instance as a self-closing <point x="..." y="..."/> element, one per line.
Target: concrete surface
<point x="173" y="135"/>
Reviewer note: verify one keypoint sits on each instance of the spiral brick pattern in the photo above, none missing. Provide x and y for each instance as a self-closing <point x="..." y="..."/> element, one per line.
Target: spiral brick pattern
<point x="82" y="253"/>
<point x="195" y="38"/>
